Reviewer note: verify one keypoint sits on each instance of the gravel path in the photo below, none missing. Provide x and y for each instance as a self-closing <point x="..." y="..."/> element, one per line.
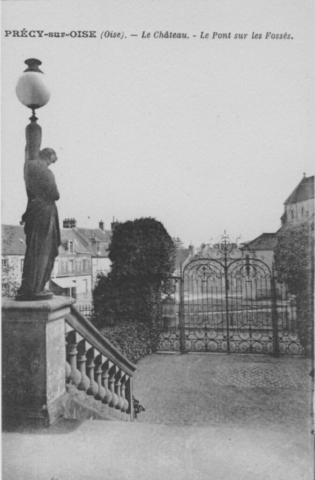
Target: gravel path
<point x="199" y="390"/>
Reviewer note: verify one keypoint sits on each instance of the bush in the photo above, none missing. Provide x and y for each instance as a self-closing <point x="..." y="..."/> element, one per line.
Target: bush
<point x="294" y="263"/>
<point x="133" y="340"/>
<point x="143" y="257"/>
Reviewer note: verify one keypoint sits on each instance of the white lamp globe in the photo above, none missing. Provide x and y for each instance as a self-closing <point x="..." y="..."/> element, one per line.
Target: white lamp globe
<point x="32" y="89"/>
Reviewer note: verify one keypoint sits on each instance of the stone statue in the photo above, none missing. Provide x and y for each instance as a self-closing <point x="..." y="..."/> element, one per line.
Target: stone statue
<point x="41" y="217"/>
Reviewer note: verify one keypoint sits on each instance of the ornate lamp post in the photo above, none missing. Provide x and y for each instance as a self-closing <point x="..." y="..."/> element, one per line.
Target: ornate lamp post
<point x="41" y="216"/>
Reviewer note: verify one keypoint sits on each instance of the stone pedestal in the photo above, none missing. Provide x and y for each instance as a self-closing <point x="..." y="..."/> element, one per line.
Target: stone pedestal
<point x="33" y="361"/>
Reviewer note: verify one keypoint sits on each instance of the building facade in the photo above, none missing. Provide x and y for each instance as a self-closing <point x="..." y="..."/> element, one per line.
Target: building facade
<point x="12" y="257"/>
<point x="298" y="208"/>
<point x="96" y="241"/>
<point x="72" y="272"/>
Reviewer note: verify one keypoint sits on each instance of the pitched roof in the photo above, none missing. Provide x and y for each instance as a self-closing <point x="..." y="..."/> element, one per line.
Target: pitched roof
<point x="181" y="255"/>
<point x="13" y="240"/>
<point x="97" y="233"/>
<point x="304" y="191"/>
<point x="69" y="234"/>
<point x="265" y="241"/>
<point x="96" y="240"/>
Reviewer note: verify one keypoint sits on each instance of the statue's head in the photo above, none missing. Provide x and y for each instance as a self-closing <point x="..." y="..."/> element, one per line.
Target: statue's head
<point x="48" y="155"/>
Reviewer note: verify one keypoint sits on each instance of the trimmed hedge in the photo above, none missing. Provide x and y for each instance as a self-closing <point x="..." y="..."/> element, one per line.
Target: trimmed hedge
<point x="143" y="257"/>
<point x="132" y="339"/>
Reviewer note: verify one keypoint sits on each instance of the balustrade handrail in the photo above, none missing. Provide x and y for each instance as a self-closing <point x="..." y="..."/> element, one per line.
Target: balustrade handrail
<point x="85" y="328"/>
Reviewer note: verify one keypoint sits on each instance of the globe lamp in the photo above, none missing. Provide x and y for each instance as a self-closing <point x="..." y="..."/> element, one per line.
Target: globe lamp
<point x="32" y="89"/>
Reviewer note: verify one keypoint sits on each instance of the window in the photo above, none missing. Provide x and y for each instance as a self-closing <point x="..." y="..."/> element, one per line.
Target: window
<point x="292" y="214"/>
<point x="4" y="263"/>
<point x="70" y="266"/>
<point x="84" y="265"/>
<point x="71" y="247"/>
<point x="302" y="211"/>
<point x="85" y="283"/>
<point x="21" y="264"/>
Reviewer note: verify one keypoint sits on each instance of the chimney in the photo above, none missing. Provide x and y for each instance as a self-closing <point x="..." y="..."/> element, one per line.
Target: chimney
<point x="101" y="225"/>
<point x="114" y="223"/>
<point x="69" y="223"/>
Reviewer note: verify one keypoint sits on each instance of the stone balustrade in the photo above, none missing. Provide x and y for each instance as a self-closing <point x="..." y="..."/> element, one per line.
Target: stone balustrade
<point x="57" y="364"/>
<point x="96" y="369"/>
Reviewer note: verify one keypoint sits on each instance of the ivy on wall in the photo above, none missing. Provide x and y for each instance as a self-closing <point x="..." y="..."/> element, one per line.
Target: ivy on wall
<point x="294" y="264"/>
<point x="143" y="257"/>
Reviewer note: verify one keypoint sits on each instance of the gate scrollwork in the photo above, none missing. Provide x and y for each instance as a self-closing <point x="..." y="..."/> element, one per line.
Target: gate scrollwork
<point x="228" y="300"/>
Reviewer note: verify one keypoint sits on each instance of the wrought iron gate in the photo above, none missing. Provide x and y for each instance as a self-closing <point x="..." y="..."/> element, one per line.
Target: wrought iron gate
<point x="229" y="301"/>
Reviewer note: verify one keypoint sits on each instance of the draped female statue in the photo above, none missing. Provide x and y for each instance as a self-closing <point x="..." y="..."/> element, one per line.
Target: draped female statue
<point x="41" y="217"/>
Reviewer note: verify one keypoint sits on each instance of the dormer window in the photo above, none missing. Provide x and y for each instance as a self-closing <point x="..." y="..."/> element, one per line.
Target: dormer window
<point x="71" y="249"/>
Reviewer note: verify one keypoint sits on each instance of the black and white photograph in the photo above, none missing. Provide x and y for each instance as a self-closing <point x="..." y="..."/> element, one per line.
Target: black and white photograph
<point x="157" y="222"/>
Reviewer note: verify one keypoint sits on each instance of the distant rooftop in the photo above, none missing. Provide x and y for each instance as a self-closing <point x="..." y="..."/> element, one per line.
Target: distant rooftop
<point x="304" y="191"/>
<point x="97" y="233"/>
<point x="69" y="234"/>
<point x="181" y="255"/>
<point x="265" y="241"/>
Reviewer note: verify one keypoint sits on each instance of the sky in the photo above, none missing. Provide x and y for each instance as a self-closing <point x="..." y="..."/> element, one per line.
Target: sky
<point x="204" y="135"/>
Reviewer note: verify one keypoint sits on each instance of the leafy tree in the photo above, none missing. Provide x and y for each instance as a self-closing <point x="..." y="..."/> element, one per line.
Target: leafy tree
<point x="143" y="256"/>
<point x="294" y="263"/>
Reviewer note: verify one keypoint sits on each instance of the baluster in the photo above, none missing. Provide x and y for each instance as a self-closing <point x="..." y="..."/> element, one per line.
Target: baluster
<point x="67" y="366"/>
<point x="125" y="401"/>
<point x="114" y="399"/>
<point x="85" y="381"/>
<point x="129" y="395"/>
<point x="90" y="366"/>
<point x="75" y="375"/>
<point x="105" y="376"/>
<point x="67" y="372"/>
<point x="120" y="402"/>
<point x="98" y="378"/>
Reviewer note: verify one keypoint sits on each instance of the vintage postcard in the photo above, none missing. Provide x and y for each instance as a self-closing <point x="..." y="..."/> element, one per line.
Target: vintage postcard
<point x="157" y="239"/>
